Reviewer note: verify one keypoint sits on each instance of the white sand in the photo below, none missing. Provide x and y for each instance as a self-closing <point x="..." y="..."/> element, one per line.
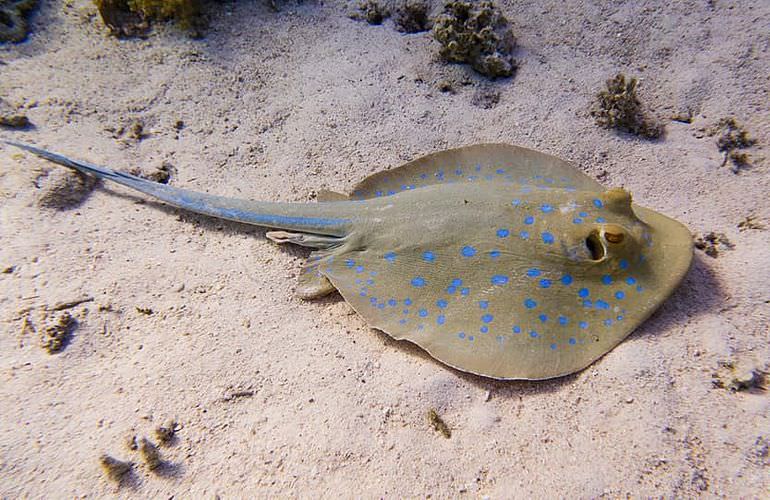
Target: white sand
<point x="277" y="105"/>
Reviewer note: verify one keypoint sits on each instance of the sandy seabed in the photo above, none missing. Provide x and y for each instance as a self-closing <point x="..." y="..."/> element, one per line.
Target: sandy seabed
<point x="194" y="319"/>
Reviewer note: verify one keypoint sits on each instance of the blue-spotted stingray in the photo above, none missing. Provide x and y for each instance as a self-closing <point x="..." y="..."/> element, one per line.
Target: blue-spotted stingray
<point x="496" y="259"/>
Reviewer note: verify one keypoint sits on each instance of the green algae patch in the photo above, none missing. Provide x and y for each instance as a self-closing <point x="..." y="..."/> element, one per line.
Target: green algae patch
<point x="618" y="107"/>
<point x="478" y="35"/>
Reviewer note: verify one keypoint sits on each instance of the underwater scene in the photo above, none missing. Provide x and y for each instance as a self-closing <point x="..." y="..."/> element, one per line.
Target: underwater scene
<point x="384" y="248"/>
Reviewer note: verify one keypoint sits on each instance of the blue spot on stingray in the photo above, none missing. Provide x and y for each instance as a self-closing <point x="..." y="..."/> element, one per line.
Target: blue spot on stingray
<point x="402" y="321"/>
<point x="418" y="281"/>
<point x="470" y="338"/>
<point x="583" y="214"/>
<point x="563" y="320"/>
<point x="484" y="329"/>
<point x="465" y="291"/>
<point x="516" y="202"/>
<point x="529" y="220"/>
<point x="524" y="235"/>
<point x="583" y="325"/>
<point x="598" y="203"/>
<point x="373" y="300"/>
<point x="487" y="318"/>
<point x="423" y="313"/>
<point x="457" y="282"/>
<point x="533" y="272"/>
<point x="483" y="304"/>
<point x="623" y="264"/>
<point x="362" y="294"/>
<point x="607" y="279"/>
<point x="451" y="289"/>
<point x="547" y="238"/>
<point x="639" y="288"/>
<point x="583" y="293"/>
<point x="587" y="303"/>
<point x="441" y="319"/>
<point x="553" y="347"/>
<point x="543" y="318"/>
<point x="372" y="273"/>
<point x="392" y="302"/>
<point x="428" y="256"/>
<point x="441" y="303"/>
<point x="503" y="233"/>
<point x="566" y="280"/>
<point x="381" y="305"/>
<point x="405" y="311"/>
<point x="602" y="304"/>
<point x="494" y="254"/>
<point x="544" y="283"/>
<point x="619" y="318"/>
<point x="546" y="208"/>
<point x="607" y="322"/>
<point x="407" y="302"/>
<point x="359" y="282"/>
<point x="572" y="341"/>
<point x="601" y="220"/>
<point x="461" y="335"/>
<point x="577" y="220"/>
<point x="530" y="304"/>
<point x="423" y="176"/>
<point x="620" y="295"/>
<point x="631" y="280"/>
<point x="533" y="334"/>
<point x="350" y="263"/>
<point x="378" y="193"/>
<point x="516" y="329"/>
<point x="458" y="172"/>
<point x="500" y="171"/>
<point x="370" y="282"/>
<point x="391" y="192"/>
<point x="499" y="279"/>
<point x="468" y="251"/>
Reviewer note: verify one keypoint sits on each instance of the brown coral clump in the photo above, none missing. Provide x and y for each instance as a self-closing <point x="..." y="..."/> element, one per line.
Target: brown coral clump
<point x="618" y="107"/>
<point x="476" y="34"/>
<point x="13" y="19"/>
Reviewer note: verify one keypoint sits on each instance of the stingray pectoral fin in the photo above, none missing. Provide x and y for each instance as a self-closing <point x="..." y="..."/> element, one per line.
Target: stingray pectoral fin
<point x="498" y="163"/>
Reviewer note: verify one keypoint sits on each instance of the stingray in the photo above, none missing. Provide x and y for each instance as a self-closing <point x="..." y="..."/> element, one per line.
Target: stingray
<point x="497" y="260"/>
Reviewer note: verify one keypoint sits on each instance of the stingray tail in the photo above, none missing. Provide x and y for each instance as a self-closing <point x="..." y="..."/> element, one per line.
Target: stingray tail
<point x="321" y="219"/>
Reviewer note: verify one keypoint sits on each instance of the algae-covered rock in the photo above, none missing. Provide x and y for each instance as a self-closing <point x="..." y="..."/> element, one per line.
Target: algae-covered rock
<point x="618" y="107"/>
<point x="13" y="19"/>
<point x="477" y="34"/>
<point x="371" y="11"/>
<point x="412" y="16"/>
<point x="133" y="17"/>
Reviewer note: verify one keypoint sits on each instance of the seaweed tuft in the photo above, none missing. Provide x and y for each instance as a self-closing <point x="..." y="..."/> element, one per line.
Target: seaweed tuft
<point x="618" y="107"/>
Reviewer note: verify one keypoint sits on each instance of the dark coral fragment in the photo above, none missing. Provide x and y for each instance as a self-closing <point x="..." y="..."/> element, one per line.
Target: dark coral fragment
<point x="13" y="19"/>
<point x="731" y="138"/>
<point x="115" y="470"/>
<point x="412" y="16"/>
<point x="371" y="11"/>
<point x="618" y="107"/>
<point x="712" y="243"/>
<point x="477" y="34"/>
<point x="133" y="17"/>
<point x="55" y="336"/>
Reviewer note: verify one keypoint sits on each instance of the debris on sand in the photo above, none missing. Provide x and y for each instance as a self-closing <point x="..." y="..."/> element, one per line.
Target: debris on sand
<point x="438" y="424"/>
<point x="54" y="337"/>
<point x="13" y="19"/>
<point x="712" y="243"/>
<point x="113" y="468"/>
<point x="412" y="16"/>
<point x="731" y="139"/>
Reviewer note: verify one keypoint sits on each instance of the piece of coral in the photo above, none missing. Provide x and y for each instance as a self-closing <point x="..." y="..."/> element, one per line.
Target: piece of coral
<point x="13" y="19"/>
<point x="477" y="34"/>
<point x="371" y="11"/>
<point x="618" y="107"/>
<point x="133" y="17"/>
<point x="411" y="16"/>
<point x="55" y="336"/>
<point x="712" y="243"/>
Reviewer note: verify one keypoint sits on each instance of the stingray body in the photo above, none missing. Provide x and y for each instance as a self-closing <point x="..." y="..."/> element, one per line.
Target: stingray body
<point x="497" y="260"/>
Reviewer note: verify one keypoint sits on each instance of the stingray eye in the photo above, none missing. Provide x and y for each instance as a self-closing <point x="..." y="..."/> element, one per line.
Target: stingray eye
<point x="614" y="237"/>
<point x="595" y="246"/>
